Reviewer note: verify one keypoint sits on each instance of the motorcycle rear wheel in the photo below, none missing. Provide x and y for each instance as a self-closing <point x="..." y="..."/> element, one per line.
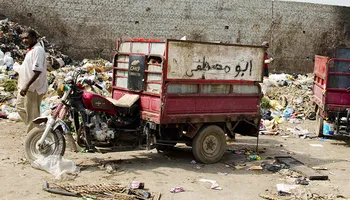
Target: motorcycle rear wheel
<point x="55" y="144"/>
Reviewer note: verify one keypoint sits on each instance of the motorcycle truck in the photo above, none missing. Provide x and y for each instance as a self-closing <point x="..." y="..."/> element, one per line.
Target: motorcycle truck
<point x="164" y="92"/>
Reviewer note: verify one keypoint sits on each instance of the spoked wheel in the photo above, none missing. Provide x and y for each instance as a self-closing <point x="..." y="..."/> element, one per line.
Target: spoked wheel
<point x="209" y="145"/>
<point x="54" y="144"/>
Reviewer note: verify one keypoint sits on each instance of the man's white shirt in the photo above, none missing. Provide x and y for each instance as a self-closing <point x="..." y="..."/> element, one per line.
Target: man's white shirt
<point x="35" y="60"/>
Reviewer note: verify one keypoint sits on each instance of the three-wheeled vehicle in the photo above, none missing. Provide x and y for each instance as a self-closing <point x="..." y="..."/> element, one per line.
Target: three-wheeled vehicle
<point x="164" y="92"/>
<point x="331" y="92"/>
<point x="191" y="92"/>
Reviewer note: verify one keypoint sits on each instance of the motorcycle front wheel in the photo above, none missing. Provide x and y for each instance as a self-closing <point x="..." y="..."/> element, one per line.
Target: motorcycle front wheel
<point x="54" y="144"/>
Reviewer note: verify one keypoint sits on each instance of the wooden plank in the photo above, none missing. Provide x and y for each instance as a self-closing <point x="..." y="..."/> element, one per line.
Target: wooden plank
<point x="301" y="168"/>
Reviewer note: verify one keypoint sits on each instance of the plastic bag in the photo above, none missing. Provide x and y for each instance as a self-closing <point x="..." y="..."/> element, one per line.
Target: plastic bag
<point x="14" y="117"/>
<point x="8" y="59"/>
<point x="58" y="166"/>
<point x="2" y="58"/>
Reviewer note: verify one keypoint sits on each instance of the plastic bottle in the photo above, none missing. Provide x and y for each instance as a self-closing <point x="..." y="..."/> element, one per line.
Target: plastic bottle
<point x="288" y="112"/>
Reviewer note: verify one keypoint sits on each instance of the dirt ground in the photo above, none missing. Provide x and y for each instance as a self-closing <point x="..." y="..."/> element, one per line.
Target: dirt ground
<point x="161" y="172"/>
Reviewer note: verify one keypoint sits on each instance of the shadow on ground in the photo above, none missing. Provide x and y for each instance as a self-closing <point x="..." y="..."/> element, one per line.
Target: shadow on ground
<point x="181" y="157"/>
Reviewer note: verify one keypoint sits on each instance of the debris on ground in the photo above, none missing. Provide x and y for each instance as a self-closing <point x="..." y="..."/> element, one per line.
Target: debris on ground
<point x="193" y="162"/>
<point x="61" y="168"/>
<point x="287" y="98"/>
<point x="285" y="189"/>
<point x="254" y="157"/>
<point x="100" y="191"/>
<point x="256" y="168"/>
<point x="214" y="184"/>
<point x="302" y="181"/>
<point x="137" y="185"/>
<point x="299" y="167"/>
<point x="177" y="189"/>
<point x="316" y="145"/>
<point x="320" y="168"/>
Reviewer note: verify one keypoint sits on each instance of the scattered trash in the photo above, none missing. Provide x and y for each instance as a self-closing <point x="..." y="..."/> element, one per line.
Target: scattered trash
<point x="285" y="189"/>
<point x="223" y="173"/>
<point x="254" y="157"/>
<point x="110" y="168"/>
<point x="312" y="116"/>
<point x="137" y="185"/>
<point x="177" y="189"/>
<point x="256" y="168"/>
<point x="214" y="184"/>
<point x="58" y="166"/>
<point x="268" y="197"/>
<point x="197" y="167"/>
<point x="323" y="140"/>
<point x="3" y="115"/>
<point x="320" y="168"/>
<point x="193" y="162"/>
<point x="316" y="145"/>
<point x="301" y="181"/>
<point x="299" y="167"/>
<point x="99" y="191"/>
<point x="272" y="168"/>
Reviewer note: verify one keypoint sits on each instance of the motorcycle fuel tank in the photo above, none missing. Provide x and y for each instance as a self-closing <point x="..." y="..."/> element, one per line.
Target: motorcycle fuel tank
<point x="98" y="103"/>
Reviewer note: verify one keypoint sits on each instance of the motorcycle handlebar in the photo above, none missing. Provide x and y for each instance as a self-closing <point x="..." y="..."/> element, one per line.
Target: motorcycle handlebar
<point x="93" y="83"/>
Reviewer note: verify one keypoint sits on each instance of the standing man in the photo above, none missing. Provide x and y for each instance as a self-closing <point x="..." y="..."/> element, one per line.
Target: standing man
<point x="267" y="60"/>
<point x="32" y="80"/>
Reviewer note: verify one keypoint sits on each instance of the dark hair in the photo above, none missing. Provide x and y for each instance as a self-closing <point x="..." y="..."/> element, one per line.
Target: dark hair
<point x="31" y="33"/>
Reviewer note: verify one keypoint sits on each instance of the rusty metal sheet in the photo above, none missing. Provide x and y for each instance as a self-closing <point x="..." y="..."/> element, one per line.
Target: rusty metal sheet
<point x="212" y="61"/>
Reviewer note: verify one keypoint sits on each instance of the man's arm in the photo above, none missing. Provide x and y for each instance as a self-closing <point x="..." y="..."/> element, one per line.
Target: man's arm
<point x="24" y="90"/>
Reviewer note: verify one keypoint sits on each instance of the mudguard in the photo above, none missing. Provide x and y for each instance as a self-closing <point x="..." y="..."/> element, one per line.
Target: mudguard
<point x="58" y="123"/>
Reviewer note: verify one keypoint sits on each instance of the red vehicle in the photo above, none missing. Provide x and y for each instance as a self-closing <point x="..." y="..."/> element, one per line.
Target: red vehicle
<point x="332" y="92"/>
<point x="192" y="92"/>
<point x="164" y="93"/>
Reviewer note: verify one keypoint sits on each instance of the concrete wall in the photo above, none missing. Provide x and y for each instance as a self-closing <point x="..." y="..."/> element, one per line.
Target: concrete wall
<point x="88" y="28"/>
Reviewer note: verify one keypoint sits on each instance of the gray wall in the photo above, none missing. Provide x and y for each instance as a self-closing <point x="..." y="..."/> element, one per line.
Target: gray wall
<point x="88" y="28"/>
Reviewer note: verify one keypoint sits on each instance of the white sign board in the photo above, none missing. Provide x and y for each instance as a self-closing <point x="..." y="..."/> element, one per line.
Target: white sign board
<point x="212" y="61"/>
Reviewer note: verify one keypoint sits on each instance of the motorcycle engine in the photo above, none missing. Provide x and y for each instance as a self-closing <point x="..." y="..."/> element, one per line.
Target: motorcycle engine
<point x="101" y="131"/>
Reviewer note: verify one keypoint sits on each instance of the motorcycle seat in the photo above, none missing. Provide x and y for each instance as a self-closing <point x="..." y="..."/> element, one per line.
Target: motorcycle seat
<point x="125" y="101"/>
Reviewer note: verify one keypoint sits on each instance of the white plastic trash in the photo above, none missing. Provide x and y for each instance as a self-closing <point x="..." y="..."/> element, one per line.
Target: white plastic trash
<point x="2" y="62"/>
<point x="58" y="166"/>
<point x="8" y="60"/>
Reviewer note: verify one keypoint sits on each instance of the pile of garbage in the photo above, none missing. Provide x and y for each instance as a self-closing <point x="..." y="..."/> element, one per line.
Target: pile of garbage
<point x="286" y="98"/>
<point x="12" y="51"/>
<point x="11" y="43"/>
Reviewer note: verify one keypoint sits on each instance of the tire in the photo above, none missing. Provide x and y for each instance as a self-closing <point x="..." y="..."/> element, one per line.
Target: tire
<point x="319" y="124"/>
<point x="55" y="138"/>
<point x="209" y="145"/>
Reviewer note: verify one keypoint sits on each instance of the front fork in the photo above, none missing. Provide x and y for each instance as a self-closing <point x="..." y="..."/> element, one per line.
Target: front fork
<point x="48" y="128"/>
<point x="51" y="125"/>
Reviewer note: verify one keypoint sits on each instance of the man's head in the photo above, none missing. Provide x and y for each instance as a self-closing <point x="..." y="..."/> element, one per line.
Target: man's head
<point x="29" y="37"/>
<point x="265" y="44"/>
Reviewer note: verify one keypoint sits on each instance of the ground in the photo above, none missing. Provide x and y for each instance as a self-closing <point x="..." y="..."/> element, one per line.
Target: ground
<point x="161" y="172"/>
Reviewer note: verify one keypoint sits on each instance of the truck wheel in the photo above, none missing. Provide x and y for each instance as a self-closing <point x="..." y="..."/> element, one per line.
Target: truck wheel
<point x="209" y="145"/>
<point x="319" y="124"/>
<point x="55" y="144"/>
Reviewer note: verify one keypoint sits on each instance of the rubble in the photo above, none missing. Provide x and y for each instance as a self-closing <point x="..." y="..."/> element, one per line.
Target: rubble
<point x="287" y="98"/>
<point x="59" y="66"/>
